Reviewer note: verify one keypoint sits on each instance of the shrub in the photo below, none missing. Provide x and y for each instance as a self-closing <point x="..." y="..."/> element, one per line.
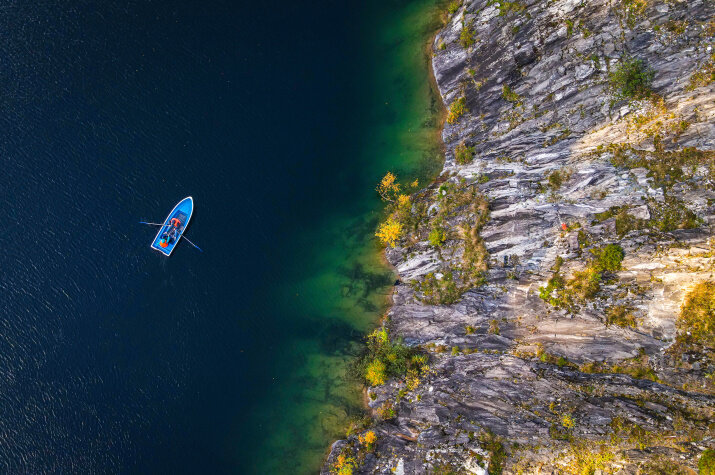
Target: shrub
<point x="466" y="37"/>
<point x="621" y="316"/>
<point x="463" y="154"/>
<point x="388" y="188"/>
<point x="453" y="7"/>
<point x="706" y="464"/>
<point x="567" y="421"/>
<point x="386" y="411"/>
<point x="389" y="232"/>
<point x="631" y="80"/>
<point x="610" y="257"/>
<point x="375" y="373"/>
<point x="494" y="327"/>
<point x="457" y="109"/>
<point x="697" y="316"/>
<point x="370" y="439"/>
<point x="437" y="236"/>
<point x="703" y="76"/>
<point x="555" y="180"/>
<point x="506" y="7"/>
<point x="385" y="358"/>
<point x="469" y="330"/>
<point x="509" y="95"/>
<point x="497" y="455"/>
<point x="434" y="291"/>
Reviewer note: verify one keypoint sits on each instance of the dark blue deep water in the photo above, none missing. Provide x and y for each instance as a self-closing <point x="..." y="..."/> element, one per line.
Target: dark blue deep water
<point x="116" y="359"/>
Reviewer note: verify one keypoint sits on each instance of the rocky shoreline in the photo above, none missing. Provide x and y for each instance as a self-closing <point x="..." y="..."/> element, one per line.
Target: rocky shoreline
<point x="548" y="273"/>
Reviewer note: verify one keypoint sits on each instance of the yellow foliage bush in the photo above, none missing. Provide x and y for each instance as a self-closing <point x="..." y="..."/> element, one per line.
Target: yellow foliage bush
<point x="375" y="373"/>
<point x="456" y="110"/>
<point x="388" y="187"/>
<point x="389" y="232"/>
<point x="567" y="421"/>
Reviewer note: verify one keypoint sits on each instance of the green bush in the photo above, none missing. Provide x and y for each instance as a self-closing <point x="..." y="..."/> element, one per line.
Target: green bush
<point x="453" y="7"/>
<point x="463" y="154"/>
<point x="631" y="80"/>
<point x="456" y="110"/>
<point x="583" y="285"/>
<point x="385" y="358"/>
<point x="508" y="95"/>
<point x="555" y="180"/>
<point x="435" y="291"/>
<point x="437" y="236"/>
<point x="493" y="444"/>
<point x="610" y="257"/>
<point x="706" y="464"/>
<point x="466" y="37"/>
<point x="621" y="316"/>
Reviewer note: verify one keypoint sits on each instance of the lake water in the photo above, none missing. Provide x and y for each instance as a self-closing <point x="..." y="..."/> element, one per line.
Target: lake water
<point x="279" y="119"/>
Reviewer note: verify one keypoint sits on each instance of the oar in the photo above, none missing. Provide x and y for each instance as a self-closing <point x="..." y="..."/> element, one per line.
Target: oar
<point x="187" y="239"/>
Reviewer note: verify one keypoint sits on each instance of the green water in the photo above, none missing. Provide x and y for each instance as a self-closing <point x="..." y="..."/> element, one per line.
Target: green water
<point x="341" y="284"/>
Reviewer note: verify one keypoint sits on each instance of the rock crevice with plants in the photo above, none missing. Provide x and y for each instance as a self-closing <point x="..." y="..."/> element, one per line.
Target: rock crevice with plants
<point x="555" y="308"/>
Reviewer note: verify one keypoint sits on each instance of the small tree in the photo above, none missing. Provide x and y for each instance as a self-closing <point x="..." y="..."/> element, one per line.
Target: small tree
<point x="389" y="232"/>
<point x="466" y="37"/>
<point x="388" y="188"/>
<point x="631" y="80"/>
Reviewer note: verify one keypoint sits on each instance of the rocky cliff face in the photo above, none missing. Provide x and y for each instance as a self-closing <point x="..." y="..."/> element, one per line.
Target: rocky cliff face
<point x="547" y="352"/>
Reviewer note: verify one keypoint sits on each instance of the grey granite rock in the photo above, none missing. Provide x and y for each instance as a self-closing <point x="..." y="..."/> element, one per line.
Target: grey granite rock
<point x="549" y="413"/>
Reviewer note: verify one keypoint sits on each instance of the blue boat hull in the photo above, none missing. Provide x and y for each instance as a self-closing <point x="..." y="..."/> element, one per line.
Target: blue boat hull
<point x="182" y="212"/>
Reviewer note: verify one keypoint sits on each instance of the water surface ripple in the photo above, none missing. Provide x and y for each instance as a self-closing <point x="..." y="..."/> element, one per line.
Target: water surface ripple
<point x="278" y="119"/>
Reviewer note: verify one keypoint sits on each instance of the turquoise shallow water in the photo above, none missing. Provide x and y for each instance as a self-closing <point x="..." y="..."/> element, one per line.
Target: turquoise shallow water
<point x="279" y="120"/>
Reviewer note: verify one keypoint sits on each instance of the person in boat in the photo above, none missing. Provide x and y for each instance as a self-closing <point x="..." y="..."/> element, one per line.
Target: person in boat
<point x="170" y="235"/>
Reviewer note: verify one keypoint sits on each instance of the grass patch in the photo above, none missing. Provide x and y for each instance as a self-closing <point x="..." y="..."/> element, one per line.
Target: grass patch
<point x="583" y="285"/>
<point x="463" y="154"/>
<point x="666" y="168"/>
<point x="509" y="95"/>
<point x="621" y="316"/>
<point x="632" y="10"/>
<point x="470" y="271"/>
<point x="706" y="464"/>
<point x="704" y="76"/>
<point x="638" y="368"/>
<point x="697" y="316"/>
<point x="494" y="445"/>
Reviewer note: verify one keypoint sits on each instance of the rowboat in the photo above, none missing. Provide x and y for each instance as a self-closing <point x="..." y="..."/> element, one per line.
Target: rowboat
<point x="173" y="228"/>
